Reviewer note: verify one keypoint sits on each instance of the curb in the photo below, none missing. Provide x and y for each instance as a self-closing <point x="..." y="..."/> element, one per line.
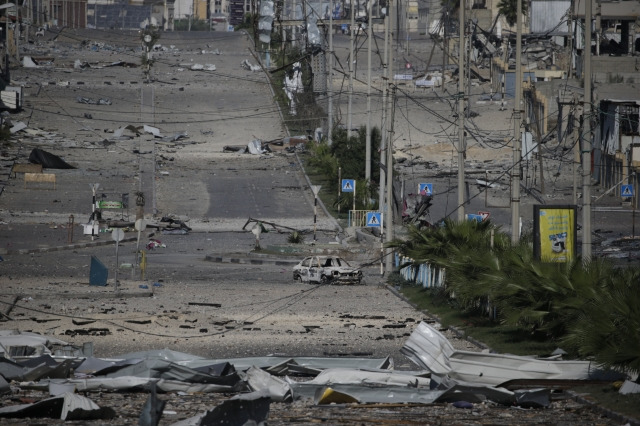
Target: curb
<point x="622" y="418"/>
<point x="456" y="331"/>
<point x="66" y="247"/>
<point x="249" y="261"/>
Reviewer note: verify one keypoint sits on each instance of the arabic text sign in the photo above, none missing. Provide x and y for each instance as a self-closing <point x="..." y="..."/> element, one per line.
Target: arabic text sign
<point x="110" y="204"/>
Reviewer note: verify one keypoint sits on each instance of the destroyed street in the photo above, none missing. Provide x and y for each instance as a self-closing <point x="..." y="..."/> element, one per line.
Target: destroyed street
<point x="190" y="314"/>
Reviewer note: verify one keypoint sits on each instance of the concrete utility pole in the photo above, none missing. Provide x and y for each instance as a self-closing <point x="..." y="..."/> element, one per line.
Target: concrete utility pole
<point x="351" y="41"/>
<point x="367" y="158"/>
<point x="445" y="43"/>
<point x="388" y="219"/>
<point x="383" y="142"/>
<point x="330" y="77"/>
<point x="517" y="137"/>
<point x="575" y="138"/>
<point x="461" y="92"/>
<point x="586" y="149"/>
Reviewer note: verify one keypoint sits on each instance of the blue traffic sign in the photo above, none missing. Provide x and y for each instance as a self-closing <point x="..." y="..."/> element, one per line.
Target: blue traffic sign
<point x="626" y="191"/>
<point x="374" y="219"/>
<point x="426" y="188"/>
<point x="476" y="217"/>
<point x="348" y="185"/>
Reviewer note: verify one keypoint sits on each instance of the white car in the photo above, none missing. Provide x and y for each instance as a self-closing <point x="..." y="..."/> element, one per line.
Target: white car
<point x="326" y="269"/>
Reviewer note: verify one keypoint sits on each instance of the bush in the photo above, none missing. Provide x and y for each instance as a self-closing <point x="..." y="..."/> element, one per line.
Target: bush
<point x="592" y="308"/>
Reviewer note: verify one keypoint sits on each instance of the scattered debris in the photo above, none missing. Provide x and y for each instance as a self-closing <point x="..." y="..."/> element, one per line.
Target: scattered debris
<point x="206" y="67"/>
<point x="90" y="101"/>
<point x="416" y="209"/>
<point x="293" y="86"/>
<point x="431" y="350"/>
<point x="17" y="126"/>
<point x="248" y="66"/>
<point x="27" y="62"/>
<point x="629" y="387"/>
<point x="48" y="160"/>
<point x="68" y="406"/>
<point x="153" y="244"/>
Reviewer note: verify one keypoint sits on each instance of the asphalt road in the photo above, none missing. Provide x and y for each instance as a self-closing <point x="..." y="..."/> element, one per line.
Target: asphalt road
<point x="254" y="309"/>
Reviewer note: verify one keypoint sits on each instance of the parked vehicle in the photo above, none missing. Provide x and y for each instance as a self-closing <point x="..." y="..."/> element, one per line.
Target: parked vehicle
<point x="326" y="269"/>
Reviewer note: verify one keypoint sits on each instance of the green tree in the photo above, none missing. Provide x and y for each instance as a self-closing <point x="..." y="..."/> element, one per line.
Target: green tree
<point x="350" y="154"/>
<point x="608" y="325"/>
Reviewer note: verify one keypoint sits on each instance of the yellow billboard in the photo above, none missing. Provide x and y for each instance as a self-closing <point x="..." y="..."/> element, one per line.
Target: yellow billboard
<point x="555" y="231"/>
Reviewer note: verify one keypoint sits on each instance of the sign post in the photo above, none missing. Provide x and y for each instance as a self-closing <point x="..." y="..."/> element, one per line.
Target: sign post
<point x="349" y="185"/>
<point x="375" y="220"/>
<point x="627" y="192"/>
<point x="140" y="225"/>
<point x="117" y="235"/>
<point x="315" y="189"/>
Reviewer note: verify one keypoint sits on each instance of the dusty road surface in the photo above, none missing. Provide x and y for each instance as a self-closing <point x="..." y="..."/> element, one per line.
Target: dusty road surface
<point x="204" y="292"/>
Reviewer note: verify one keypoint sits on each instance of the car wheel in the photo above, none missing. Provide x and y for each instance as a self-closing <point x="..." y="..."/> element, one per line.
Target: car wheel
<point x="297" y="278"/>
<point x="324" y="279"/>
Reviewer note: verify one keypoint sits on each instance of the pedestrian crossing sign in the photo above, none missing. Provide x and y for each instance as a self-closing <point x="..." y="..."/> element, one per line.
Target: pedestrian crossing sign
<point x="374" y="219"/>
<point x="425" y="188"/>
<point x="348" y="185"/>
<point x="475" y="217"/>
<point x="626" y="191"/>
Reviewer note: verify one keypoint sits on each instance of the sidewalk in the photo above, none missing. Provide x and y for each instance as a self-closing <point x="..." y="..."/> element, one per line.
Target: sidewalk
<point x="22" y="238"/>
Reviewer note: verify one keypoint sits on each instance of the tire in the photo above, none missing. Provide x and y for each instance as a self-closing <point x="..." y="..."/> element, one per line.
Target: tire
<point x="324" y="279"/>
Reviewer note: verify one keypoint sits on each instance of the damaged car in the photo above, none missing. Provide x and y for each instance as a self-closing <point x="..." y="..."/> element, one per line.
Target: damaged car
<point x="326" y="269"/>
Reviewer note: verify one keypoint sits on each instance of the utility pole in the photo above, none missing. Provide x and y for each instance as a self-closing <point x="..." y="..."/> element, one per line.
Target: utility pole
<point x="351" y="41"/>
<point x="330" y="77"/>
<point x="445" y="42"/>
<point x="570" y="39"/>
<point x="367" y="158"/>
<point x="517" y="138"/>
<point x="586" y="149"/>
<point x="388" y="219"/>
<point x="383" y="142"/>
<point x="577" y="129"/>
<point x="461" y="92"/>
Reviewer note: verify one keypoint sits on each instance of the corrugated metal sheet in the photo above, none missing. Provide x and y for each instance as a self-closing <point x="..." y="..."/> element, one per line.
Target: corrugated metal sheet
<point x="546" y="14"/>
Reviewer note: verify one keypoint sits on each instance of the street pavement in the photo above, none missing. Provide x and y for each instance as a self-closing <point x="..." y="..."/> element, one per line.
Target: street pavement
<point x="44" y="268"/>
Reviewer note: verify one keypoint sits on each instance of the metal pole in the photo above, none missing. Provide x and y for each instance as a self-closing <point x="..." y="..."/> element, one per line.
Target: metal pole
<point x="339" y="185"/>
<point x="517" y="155"/>
<point x="586" y="150"/>
<point x="316" y="190"/>
<point x="461" y="92"/>
<point x="354" y="199"/>
<point x="367" y="161"/>
<point x="117" y="245"/>
<point x="315" y="216"/>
